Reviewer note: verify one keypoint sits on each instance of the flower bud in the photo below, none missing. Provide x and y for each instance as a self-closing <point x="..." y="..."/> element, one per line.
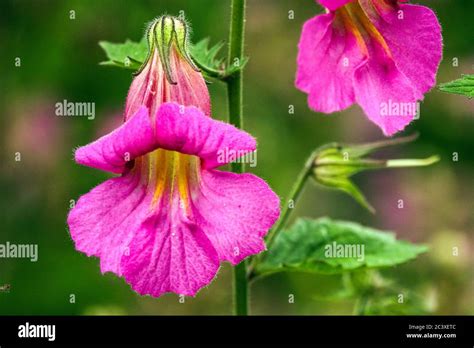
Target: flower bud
<point x="334" y="164"/>
<point x="164" y="33"/>
<point x="168" y="73"/>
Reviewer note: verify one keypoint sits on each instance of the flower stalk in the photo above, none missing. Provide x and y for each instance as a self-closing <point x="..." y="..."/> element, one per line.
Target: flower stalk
<point x="295" y="192"/>
<point x="331" y="166"/>
<point x="235" y="104"/>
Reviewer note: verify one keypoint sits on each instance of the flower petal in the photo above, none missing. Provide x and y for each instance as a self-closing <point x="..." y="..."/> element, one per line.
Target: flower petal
<point x="327" y="57"/>
<point x="188" y="130"/>
<point x="333" y="4"/>
<point x="103" y="221"/>
<point x="178" y="128"/>
<point x="413" y="35"/>
<point x="235" y="211"/>
<point x="112" y="152"/>
<point x="169" y="253"/>
<point x="386" y="95"/>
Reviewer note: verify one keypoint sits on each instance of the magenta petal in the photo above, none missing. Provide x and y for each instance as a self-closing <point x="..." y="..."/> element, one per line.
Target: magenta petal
<point x="333" y="4"/>
<point x="103" y="221"/>
<point x="327" y="58"/>
<point x="413" y="35"/>
<point x="169" y="254"/>
<point x="112" y="151"/>
<point x="188" y="130"/>
<point x="178" y="128"/>
<point x="379" y="86"/>
<point x="235" y="211"/>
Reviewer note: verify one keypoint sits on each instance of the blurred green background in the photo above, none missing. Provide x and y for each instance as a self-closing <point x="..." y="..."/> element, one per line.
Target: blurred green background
<point x="59" y="60"/>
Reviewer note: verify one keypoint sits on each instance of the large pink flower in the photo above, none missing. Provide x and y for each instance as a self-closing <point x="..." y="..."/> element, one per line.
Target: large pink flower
<point x="170" y="217"/>
<point x="380" y="54"/>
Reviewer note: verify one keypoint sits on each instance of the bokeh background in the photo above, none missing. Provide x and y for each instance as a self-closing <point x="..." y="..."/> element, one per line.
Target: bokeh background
<point x="59" y="60"/>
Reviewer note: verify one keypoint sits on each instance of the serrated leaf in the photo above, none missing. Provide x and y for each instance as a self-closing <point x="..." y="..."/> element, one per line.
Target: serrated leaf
<point x="205" y="57"/>
<point x="233" y="68"/>
<point x="463" y="86"/>
<point x="305" y="247"/>
<point x="208" y="60"/>
<point x="128" y="55"/>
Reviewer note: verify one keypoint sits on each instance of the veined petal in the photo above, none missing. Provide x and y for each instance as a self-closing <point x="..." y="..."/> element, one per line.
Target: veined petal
<point x="386" y="95"/>
<point x="111" y="153"/>
<point x="401" y="48"/>
<point x="333" y="4"/>
<point x="177" y="128"/>
<point x="169" y="253"/>
<point x="235" y="211"/>
<point x="327" y="58"/>
<point x="103" y="221"/>
<point x="168" y="221"/>
<point x="158" y="248"/>
<point x="171" y="245"/>
<point x="188" y="130"/>
<point x="151" y="88"/>
<point x="413" y="35"/>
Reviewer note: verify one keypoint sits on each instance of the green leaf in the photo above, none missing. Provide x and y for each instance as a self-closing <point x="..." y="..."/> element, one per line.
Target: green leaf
<point x="463" y="86"/>
<point x="208" y="60"/>
<point x="131" y="55"/>
<point x="315" y="246"/>
<point x="205" y="57"/>
<point x="236" y="67"/>
<point x="128" y="55"/>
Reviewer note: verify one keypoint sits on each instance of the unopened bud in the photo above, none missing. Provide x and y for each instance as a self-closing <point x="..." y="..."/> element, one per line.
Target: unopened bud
<point x="334" y="164"/>
<point x="164" y="34"/>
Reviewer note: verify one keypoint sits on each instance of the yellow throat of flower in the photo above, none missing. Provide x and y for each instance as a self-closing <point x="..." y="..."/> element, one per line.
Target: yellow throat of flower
<point x="357" y="21"/>
<point x="172" y="175"/>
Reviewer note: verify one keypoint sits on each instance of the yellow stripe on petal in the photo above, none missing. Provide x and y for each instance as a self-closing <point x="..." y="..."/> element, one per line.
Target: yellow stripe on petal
<point x="183" y="179"/>
<point x="351" y="23"/>
<point x="358" y="22"/>
<point x="158" y="172"/>
<point x="173" y="175"/>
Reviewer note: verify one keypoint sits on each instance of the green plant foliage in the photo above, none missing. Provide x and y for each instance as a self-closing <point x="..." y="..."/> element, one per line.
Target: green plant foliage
<point x="463" y="86"/>
<point x="327" y="246"/>
<point x="128" y="55"/>
<point x="131" y="55"/>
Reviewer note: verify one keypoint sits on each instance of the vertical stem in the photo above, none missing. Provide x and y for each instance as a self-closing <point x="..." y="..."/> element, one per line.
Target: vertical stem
<point x="235" y="56"/>
<point x="235" y="96"/>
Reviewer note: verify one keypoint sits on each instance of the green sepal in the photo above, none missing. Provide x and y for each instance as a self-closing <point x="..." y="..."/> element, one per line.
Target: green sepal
<point x="335" y="163"/>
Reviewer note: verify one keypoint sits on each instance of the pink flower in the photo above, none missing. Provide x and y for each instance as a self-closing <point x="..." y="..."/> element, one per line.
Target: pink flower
<point x="380" y="54"/>
<point x="170" y="217"/>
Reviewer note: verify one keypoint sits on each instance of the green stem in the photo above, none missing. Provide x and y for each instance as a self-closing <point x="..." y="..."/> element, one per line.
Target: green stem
<point x="293" y="196"/>
<point x="235" y="96"/>
<point x="287" y="210"/>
